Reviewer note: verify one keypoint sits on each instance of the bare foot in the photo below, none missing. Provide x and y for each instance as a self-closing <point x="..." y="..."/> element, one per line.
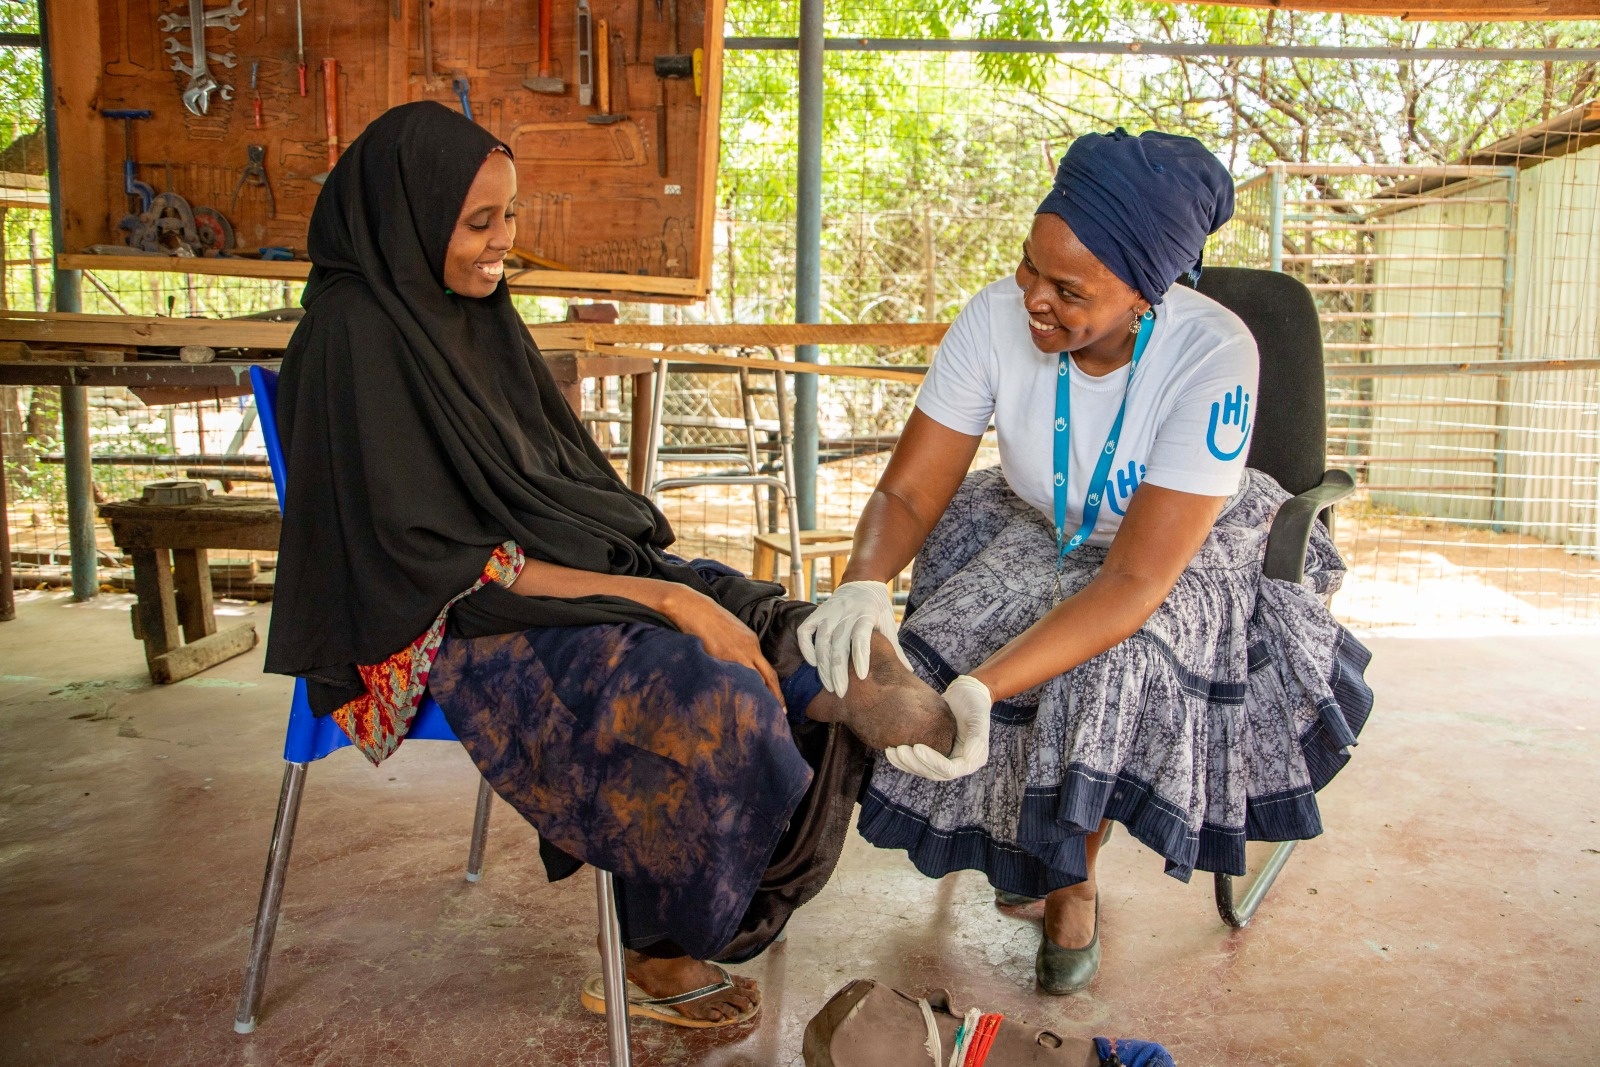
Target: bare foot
<point x="666" y="978"/>
<point x="1069" y="915"/>
<point x="890" y="706"/>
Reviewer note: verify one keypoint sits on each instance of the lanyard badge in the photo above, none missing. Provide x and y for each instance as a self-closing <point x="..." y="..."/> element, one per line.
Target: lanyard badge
<point x="1094" y="496"/>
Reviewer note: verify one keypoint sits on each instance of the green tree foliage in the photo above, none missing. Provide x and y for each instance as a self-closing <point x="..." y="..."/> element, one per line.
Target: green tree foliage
<point x="933" y="163"/>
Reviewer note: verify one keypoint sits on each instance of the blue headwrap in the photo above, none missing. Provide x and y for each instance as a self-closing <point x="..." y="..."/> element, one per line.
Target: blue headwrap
<point x="1143" y="205"/>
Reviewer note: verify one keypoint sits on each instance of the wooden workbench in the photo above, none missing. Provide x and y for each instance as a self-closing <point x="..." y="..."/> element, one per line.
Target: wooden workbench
<point x="172" y="577"/>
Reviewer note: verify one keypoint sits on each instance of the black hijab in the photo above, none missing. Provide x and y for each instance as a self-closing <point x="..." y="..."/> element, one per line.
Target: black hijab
<point x="421" y="429"/>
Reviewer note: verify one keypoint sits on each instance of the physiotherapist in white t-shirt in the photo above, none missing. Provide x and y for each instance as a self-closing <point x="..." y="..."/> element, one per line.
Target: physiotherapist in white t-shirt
<point x="1123" y="408"/>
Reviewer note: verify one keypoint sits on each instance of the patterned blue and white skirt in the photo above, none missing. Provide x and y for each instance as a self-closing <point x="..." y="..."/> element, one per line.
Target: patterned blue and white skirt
<point x="1215" y="724"/>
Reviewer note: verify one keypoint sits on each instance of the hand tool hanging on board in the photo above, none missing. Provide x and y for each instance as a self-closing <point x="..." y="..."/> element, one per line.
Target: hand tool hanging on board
<point x="300" y="46"/>
<point x="668" y="68"/>
<point x="255" y="91"/>
<point x="602" y="66"/>
<point x="222" y="18"/>
<point x="330" y="114"/>
<point x="221" y="59"/>
<point x="638" y="31"/>
<point x="255" y="173"/>
<point x="430" y="69"/>
<point x="197" y="94"/>
<point x="672" y="17"/>
<point x="585" y="55"/>
<point x="544" y="83"/>
<point x="131" y="185"/>
<point x="463" y="91"/>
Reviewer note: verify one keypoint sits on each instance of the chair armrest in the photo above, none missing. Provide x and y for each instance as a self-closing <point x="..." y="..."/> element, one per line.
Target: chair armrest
<point x="1291" y="528"/>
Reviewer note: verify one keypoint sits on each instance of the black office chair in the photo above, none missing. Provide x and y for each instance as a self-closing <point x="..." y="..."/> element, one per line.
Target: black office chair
<point x="1290" y="443"/>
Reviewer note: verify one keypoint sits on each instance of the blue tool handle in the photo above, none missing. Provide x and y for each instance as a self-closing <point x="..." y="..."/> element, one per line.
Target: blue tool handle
<point x="460" y="86"/>
<point x="126" y="113"/>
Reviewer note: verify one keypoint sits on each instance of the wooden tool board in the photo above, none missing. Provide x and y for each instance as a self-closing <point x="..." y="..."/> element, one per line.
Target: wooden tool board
<point x="591" y="196"/>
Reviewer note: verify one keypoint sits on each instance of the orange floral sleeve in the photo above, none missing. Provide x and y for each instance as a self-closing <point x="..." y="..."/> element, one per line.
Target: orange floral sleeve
<point x="376" y="722"/>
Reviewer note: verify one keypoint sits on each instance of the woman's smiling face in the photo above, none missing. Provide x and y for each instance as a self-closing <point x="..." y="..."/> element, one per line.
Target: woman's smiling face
<point x="1073" y="300"/>
<point x="474" y="263"/>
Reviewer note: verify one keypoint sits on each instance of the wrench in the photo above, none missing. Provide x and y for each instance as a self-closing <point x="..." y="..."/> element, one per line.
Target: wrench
<point x="182" y="67"/>
<point x="197" y="94"/>
<point x="225" y="59"/>
<point x="179" y="65"/>
<point x="223" y="18"/>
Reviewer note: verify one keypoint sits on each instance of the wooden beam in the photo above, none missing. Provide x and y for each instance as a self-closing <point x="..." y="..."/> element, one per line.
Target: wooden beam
<point x="887" y="334"/>
<point x="538" y="282"/>
<point x="76" y="330"/>
<point x="913" y="375"/>
<point x="1438" y="10"/>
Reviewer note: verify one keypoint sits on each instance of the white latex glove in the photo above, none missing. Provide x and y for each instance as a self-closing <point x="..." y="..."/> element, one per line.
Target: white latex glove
<point x="840" y="632"/>
<point x="969" y="701"/>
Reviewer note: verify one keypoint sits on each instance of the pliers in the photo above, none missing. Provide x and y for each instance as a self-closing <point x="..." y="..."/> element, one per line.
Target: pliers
<point x="255" y="173"/>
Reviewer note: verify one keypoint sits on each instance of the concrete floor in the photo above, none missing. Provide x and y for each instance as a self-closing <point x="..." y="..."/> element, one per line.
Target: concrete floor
<point x="1448" y="916"/>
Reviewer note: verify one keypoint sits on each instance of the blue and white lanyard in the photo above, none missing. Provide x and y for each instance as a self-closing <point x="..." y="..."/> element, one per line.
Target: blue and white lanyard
<point x="1095" y="496"/>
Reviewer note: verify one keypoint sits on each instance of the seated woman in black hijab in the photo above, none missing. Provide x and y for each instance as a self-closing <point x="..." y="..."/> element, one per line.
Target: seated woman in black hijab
<point x="449" y="526"/>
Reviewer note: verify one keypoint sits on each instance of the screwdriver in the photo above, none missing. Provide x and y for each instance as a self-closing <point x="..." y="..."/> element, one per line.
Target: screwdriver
<point x="255" y="73"/>
<point x="300" y="44"/>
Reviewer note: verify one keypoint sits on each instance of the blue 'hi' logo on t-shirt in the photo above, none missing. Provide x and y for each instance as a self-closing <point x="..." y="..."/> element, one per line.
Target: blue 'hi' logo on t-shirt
<point x="1232" y="410"/>
<point x="1127" y="481"/>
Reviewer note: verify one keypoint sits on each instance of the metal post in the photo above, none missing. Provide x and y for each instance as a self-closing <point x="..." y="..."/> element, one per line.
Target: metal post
<point x="74" y="398"/>
<point x="808" y="255"/>
<point x="8" y="603"/>
<point x="1507" y="350"/>
<point x="613" y="969"/>
<point x="1275" y="191"/>
<point x="266" y="928"/>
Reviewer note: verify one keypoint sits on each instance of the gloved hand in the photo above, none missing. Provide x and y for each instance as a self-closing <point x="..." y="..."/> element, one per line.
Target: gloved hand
<point x="969" y="701"/>
<point x="840" y="632"/>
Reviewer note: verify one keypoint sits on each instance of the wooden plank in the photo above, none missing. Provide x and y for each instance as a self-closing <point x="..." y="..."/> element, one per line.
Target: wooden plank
<point x="160" y="332"/>
<point x="157" y="619"/>
<point x="191" y="579"/>
<point x="779" y="334"/>
<point x="574" y="367"/>
<point x="531" y="282"/>
<point x="1438" y="10"/>
<point x="639" y="430"/>
<point x="1433" y="370"/>
<point x="219" y="522"/>
<point x="83" y="137"/>
<point x="219" y="379"/>
<point x="710" y="144"/>
<point x="140" y="536"/>
<point x="189" y="660"/>
<point x="913" y="375"/>
<point x="30" y="191"/>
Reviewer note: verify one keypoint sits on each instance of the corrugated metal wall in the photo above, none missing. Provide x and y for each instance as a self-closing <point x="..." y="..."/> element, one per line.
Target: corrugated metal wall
<point x="1553" y="448"/>
<point x="1439" y="296"/>
<point x="1519" y="453"/>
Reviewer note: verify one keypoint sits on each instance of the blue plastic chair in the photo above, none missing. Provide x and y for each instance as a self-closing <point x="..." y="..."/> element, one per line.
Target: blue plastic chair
<point x="311" y="737"/>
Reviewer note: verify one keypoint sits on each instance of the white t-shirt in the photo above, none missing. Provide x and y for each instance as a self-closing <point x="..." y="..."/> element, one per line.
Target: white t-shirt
<point x="1190" y="407"/>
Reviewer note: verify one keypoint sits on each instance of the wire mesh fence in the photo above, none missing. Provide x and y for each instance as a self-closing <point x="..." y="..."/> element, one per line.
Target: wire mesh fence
<point x="1477" y="489"/>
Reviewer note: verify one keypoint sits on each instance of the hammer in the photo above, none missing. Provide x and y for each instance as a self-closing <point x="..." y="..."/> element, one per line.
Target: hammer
<point x="544" y="83"/>
<point x="668" y="67"/>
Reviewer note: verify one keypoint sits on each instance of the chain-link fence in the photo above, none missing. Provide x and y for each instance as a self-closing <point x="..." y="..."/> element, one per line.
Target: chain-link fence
<point x="933" y="164"/>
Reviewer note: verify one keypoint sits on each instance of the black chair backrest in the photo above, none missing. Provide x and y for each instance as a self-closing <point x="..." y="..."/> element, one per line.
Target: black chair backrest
<point x="1291" y="430"/>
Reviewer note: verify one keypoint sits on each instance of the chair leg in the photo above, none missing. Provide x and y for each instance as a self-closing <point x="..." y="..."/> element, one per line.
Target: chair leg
<point x="255" y="968"/>
<point x="480" y="831"/>
<point x="614" y="969"/>
<point x="1239" y="915"/>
